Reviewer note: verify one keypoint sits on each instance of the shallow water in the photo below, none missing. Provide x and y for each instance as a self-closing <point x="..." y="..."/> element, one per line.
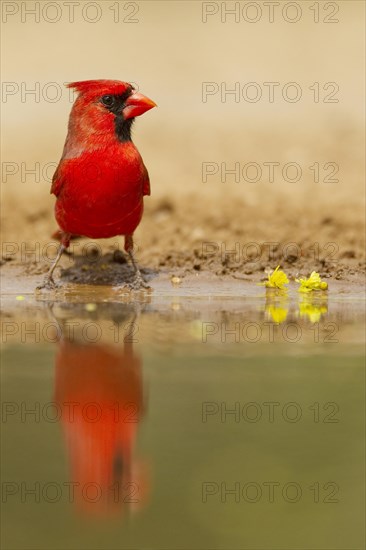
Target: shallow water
<point x="183" y="421"/>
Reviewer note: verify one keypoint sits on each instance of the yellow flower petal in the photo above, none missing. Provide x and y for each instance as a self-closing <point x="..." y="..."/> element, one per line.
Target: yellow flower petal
<point x="314" y="282"/>
<point x="276" y="279"/>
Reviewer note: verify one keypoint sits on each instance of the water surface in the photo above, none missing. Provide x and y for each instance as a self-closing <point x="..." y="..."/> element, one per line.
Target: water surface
<point x="183" y="422"/>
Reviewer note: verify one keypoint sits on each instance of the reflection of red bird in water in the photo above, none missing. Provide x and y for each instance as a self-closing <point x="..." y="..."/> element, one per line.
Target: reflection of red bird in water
<point x="99" y="390"/>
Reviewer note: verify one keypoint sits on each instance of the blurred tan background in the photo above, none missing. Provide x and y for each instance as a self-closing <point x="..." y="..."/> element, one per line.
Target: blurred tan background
<point x="170" y="52"/>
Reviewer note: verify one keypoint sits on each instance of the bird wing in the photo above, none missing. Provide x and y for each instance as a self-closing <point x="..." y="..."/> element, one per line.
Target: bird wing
<point x="146" y="184"/>
<point x="58" y="179"/>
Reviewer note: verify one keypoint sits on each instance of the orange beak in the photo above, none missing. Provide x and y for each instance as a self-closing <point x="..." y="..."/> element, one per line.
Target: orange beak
<point x="136" y="105"/>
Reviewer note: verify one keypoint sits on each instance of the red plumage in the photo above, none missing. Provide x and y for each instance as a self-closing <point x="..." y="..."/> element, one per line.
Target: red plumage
<point x="100" y="193"/>
<point x="101" y="179"/>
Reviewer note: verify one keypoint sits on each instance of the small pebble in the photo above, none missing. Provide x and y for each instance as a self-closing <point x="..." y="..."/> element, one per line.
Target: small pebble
<point x="176" y="280"/>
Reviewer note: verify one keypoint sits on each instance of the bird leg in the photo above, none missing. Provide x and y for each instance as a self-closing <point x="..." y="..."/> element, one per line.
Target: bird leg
<point x="138" y="283"/>
<point x="48" y="281"/>
<point x="58" y="235"/>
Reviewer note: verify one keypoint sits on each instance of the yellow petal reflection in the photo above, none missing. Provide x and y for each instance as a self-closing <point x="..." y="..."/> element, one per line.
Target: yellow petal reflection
<point x="312" y="308"/>
<point x="277" y="305"/>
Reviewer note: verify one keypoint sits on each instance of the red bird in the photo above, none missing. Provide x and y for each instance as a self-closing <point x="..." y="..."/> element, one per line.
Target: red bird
<point x="101" y="179"/>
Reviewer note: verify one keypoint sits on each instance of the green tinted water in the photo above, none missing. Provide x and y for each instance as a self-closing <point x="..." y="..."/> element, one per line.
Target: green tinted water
<point x="184" y="424"/>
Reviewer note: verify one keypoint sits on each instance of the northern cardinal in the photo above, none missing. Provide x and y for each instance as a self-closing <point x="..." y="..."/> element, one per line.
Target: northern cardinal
<point x="101" y="179"/>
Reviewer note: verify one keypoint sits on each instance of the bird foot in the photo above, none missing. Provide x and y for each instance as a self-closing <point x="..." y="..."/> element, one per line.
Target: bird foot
<point x="138" y="283"/>
<point x="48" y="284"/>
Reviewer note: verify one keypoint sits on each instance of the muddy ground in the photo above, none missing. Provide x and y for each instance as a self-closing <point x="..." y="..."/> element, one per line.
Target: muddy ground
<point x="179" y="238"/>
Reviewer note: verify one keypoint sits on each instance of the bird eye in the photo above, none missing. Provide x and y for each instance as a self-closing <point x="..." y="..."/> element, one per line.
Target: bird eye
<point x="107" y="100"/>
